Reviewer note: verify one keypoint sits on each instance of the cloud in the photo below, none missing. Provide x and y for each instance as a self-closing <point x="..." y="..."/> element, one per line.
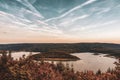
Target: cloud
<point x="6" y="17"/>
<point x="109" y="22"/>
<point x="36" y="26"/>
<point x="89" y="28"/>
<point x="72" y="10"/>
<point x="31" y="7"/>
<point x="104" y="24"/>
<point x="33" y="13"/>
<point x="80" y="17"/>
<point x="104" y="11"/>
<point x="10" y="19"/>
<point x="42" y="22"/>
<point x="72" y="20"/>
<point x="5" y="14"/>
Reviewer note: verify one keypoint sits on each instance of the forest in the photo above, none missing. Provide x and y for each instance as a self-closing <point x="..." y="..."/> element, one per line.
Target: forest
<point x="105" y="48"/>
<point x="29" y="69"/>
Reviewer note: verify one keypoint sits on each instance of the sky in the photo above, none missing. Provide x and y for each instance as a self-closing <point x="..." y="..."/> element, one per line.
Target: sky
<point x="59" y="21"/>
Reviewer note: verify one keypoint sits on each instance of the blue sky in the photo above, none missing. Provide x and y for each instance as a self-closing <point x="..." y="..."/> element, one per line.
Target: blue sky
<point x="59" y="21"/>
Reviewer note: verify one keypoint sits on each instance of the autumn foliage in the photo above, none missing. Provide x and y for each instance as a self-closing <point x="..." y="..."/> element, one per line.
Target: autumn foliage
<point x="29" y="69"/>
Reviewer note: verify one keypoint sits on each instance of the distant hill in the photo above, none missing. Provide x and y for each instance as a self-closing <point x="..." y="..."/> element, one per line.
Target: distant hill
<point x="108" y="48"/>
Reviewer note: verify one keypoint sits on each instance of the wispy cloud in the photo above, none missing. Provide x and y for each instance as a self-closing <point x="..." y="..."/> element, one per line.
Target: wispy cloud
<point x="78" y="18"/>
<point x="94" y="26"/>
<point x="104" y="11"/>
<point x="73" y="9"/>
<point x="72" y="20"/>
<point x="31" y="7"/>
<point x="89" y="28"/>
<point x="36" y="14"/>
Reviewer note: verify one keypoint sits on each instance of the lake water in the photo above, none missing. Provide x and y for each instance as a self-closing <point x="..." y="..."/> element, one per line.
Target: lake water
<point x="93" y="62"/>
<point x="17" y="55"/>
<point x="88" y="61"/>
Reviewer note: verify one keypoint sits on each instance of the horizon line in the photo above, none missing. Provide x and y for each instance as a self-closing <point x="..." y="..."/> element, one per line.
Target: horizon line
<point x="60" y="43"/>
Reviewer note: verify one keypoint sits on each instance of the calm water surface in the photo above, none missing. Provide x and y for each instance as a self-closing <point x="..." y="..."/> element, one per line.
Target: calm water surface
<point x="93" y="62"/>
<point x="88" y="61"/>
<point x="17" y="55"/>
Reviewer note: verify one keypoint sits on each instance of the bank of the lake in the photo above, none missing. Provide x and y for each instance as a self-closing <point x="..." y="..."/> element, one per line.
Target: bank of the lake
<point x="88" y="61"/>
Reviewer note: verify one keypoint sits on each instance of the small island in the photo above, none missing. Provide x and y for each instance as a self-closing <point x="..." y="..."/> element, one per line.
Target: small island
<point x="54" y="56"/>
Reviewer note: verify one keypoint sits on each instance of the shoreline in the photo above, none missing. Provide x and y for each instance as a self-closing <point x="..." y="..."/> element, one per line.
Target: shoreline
<point x="58" y="59"/>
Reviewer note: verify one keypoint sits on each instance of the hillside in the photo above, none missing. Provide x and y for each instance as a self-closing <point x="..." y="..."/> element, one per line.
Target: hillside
<point x="113" y="49"/>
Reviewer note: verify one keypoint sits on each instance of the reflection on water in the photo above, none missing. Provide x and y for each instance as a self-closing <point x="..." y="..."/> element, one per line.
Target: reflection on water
<point x="17" y="55"/>
<point x="93" y="62"/>
<point x="88" y="61"/>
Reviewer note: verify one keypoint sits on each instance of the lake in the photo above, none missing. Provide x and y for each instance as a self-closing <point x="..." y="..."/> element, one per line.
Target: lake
<point x="88" y="61"/>
<point x="93" y="62"/>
